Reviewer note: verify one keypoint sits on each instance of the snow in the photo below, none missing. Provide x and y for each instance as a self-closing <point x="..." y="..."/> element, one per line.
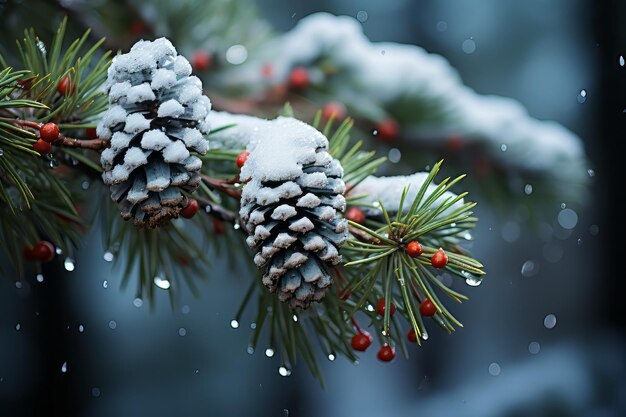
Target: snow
<point x="170" y="108"/>
<point x="155" y="140"/>
<point x="302" y="225"/>
<point x="283" y="212"/>
<point x="389" y="191"/>
<point x="134" y="157"/>
<point x="136" y="123"/>
<point x="175" y="152"/>
<point x="139" y="93"/>
<point x="372" y="83"/>
<point x="236" y="137"/>
<point x="308" y="200"/>
<point x="195" y="140"/>
<point x="163" y="78"/>
<point x="118" y="90"/>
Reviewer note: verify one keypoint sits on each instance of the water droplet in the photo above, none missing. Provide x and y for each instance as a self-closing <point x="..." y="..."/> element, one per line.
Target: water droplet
<point x="197" y="371"/>
<point x="510" y="231"/>
<point x="567" y="218"/>
<point x="250" y="350"/>
<point x="1" y="152"/>
<point x="39" y="278"/>
<point x="185" y="309"/>
<point x="64" y="367"/>
<point x="369" y="307"/>
<point x="549" y="321"/>
<point x="471" y="280"/>
<point x="425" y="336"/>
<point x="374" y="132"/>
<point x="530" y="268"/>
<point x="394" y="155"/>
<point x="236" y="226"/>
<point x="137" y="302"/>
<point x="579" y="242"/>
<point x="528" y="189"/>
<point x="108" y="256"/>
<point x="285" y="412"/>
<point x="331" y="357"/>
<point x="237" y="54"/>
<point x="253" y="326"/>
<point x="269" y="352"/>
<point x="442" y="26"/>
<point x="503" y="147"/>
<point x="362" y="16"/>
<point x="105" y="284"/>
<point x="234" y="324"/>
<point x="494" y="369"/>
<point x="18" y="327"/>
<point x="113" y="325"/>
<point x="594" y="229"/>
<point x="283" y="371"/>
<point x="85" y="185"/>
<point x="162" y="283"/>
<point x="376" y="204"/>
<point x="582" y="96"/>
<point x="59" y="251"/>
<point x="95" y="392"/>
<point x="295" y="318"/>
<point x="69" y="264"/>
<point x="468" y="46"/>
<point x="621" y="60"/>
<point x="182" y="332"/>
<point x="534" y="347"/>
<point x="18" y="284"/>
<point x="81" y="328"/>
<point x="591" y="172"/>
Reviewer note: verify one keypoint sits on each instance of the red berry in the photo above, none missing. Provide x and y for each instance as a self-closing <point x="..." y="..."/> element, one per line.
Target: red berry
<point x="387" y="129"/>
<point x="201" y="60"/>
<point x="454" y="143"/>
<point x="191" y="209"/>
<point x="241" y="158"/>
<point x="267" y="70"/>
<point x="414" y="249"/>
<point x="361" y="341"/>
<point x="91" y="133"/>
<point x="66" y="87"/>
<point x="49" y="132"/>
<point x="439" y="259"/>
<point x="427" y="308"/>
<point x="29" y="253"/>
<point x="386" y="353"/>
<point x="138" y="27"/>
<point x="411" y="335"/>
<point x="356" y="215"/>
<point x="344" y="295"/>
<point x="43" y="251"/>
<point x="380" y="307"/>
<point x="299" y="78"/>
<point x="42" y="147"/>
<point x="218" y="226"/>
<point x="334" y="109"/>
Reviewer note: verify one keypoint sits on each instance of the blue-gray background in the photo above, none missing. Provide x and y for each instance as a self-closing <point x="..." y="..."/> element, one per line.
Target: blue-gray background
<point x="130" y="361"/>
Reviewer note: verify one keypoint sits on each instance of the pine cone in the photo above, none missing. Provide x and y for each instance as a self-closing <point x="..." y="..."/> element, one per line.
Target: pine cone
<point x="157" y="115"/>
<point x="289" y="208"/>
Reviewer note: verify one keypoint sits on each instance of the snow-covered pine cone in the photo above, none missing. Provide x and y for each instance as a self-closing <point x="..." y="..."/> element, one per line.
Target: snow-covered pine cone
<point x="157" y="116"/>
<point x="289" y="208"/>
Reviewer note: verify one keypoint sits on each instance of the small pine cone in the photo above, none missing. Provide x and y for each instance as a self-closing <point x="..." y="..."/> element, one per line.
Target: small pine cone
<point x="289" y="208"/>
<point x="157" y="117"/>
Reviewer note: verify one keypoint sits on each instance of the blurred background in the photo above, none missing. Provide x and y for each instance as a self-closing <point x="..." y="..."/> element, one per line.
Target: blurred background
<point x="543" y="335"/>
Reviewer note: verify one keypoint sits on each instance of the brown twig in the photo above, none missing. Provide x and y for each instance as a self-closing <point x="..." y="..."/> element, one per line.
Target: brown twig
<point x="363" y="236"/>
<point x="222" y="185"/>
<point x="96" y="144"/>
<point x="217" y="211"/>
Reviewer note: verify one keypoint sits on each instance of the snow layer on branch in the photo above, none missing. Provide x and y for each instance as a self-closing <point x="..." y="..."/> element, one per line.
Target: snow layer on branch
<point x="240" y="134"/>
<point x="389" y="191"/>
<point x="371" y="82"/>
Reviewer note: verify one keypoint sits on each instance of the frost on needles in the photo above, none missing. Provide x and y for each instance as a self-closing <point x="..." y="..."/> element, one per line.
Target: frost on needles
<point x="156" y="121"/>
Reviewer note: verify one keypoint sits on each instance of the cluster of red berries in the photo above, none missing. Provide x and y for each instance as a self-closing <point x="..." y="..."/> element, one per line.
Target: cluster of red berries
<point x="48" y="133"/>
<point x="438" y="260"/>
<point x="43" y="251"/>
<point x="362" y="340"/>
